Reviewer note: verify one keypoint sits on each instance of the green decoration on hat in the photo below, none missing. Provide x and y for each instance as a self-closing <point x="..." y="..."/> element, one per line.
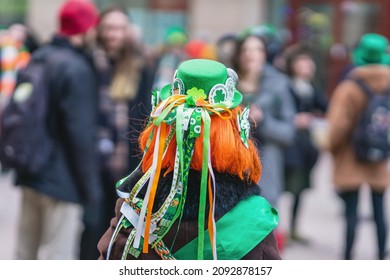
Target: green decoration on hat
<point x="372" y="49"/>
<point x="194" y="95"/>
<point x="244" y="126"/>
<point x="197" y="93"/>
<point x="155" y="98"/>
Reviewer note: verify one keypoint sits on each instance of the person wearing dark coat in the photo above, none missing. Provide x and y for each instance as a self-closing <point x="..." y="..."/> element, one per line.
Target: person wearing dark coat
<point x="265" y="91"/>
<point x="52" y="199"/>
<point x="195" y="194"/>
<point x="124" y="106"/>
<point x="310" y="104"/>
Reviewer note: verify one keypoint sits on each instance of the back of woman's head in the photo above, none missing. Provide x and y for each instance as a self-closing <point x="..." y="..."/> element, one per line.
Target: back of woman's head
<point x="294" y="54"/>
<point x="228" y="154"/>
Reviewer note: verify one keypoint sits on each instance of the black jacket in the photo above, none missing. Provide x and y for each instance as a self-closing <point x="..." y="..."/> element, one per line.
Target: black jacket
<point x="303" y="153"/>
<point x="71" y="173"/>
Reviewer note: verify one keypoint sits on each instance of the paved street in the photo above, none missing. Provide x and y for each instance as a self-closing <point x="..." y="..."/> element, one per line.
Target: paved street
<point x="320" y="221"/>
<point x="9" y="212"/>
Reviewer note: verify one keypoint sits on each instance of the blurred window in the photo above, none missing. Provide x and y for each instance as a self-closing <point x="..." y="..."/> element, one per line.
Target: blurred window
<point x="359" y="18"/>
<point x="154" y="17"/>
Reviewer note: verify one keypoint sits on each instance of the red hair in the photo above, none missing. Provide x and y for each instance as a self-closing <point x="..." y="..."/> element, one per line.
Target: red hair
<point x="228" y="153"/>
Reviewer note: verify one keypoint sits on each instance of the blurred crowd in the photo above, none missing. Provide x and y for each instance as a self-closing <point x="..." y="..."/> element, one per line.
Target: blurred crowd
<point x="103" y="98"/>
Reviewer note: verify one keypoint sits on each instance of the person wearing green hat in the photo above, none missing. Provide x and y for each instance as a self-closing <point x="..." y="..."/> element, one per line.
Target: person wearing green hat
<point x="372" y="49"/>
<point x="171" y="55"/>
<point x="349" y="105"/>
<point x="195" y="193"/>
<point x="175" y="36"/>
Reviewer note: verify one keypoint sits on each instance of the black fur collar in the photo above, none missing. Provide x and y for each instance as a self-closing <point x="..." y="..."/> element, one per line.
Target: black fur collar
<point x="229" y="191"/>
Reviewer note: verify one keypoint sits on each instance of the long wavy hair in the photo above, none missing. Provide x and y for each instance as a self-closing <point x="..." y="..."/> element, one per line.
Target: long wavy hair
<point x="128" y="63"/>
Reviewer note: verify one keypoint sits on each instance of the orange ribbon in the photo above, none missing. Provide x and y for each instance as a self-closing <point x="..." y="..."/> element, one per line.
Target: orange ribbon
<point x="153" y="189"/>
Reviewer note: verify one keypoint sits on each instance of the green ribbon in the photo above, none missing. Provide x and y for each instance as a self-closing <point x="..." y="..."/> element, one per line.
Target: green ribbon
<point x="203" y="183"/>
<point x="171" y="117"/>
<point x="195" y="126"/>
<point x="164" y="114"/>
<point x="184" y="149"/>
<point x="179" y="137"/>
<point x="239" y="231"/>
<point x="185" y="157"/>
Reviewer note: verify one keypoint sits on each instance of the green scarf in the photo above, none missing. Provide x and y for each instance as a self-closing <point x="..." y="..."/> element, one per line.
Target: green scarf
<point x="238" y="231"/>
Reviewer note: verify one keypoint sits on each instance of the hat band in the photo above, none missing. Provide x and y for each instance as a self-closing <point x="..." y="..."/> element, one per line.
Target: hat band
<point x="218" y="94"/>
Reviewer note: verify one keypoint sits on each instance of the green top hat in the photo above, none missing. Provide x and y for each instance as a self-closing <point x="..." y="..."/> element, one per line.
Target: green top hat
<point x="205" y="79"/>
<point x="372" y="49"/>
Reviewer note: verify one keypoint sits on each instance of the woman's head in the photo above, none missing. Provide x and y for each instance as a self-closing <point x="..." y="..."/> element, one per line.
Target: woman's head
<point x="204" y="100"/>
<point x="116" y="37"/>
<point x="114" y="30"/>
<point x="250" y="54"/>
<point x="300" y="64"/>
<point x="228" y="153"/>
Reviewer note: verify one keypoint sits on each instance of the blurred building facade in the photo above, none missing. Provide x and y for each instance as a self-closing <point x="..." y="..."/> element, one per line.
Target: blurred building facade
<point x="326" y="21"/>
<point x="201" y="18"/>
<point x="332" y="27"/>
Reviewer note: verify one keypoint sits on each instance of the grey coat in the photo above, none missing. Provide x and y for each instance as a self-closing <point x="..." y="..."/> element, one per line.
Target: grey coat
<point x="275" y="132"/>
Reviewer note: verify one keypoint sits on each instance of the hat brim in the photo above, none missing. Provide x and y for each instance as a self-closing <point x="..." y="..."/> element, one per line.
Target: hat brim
<point x="357" y="58"/>
<point x="165" y="92"/>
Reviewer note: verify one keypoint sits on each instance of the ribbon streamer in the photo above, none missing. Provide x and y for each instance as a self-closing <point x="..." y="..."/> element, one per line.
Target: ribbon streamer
<point x="203" y="184"/>
<point x="138" y="234"/>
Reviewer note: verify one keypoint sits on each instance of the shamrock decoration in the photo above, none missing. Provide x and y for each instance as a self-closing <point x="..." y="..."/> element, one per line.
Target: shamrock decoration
<point x="244" y="126"/>
<point x="194" y="96"/>
<point x="179" y="85"/>
<point x="230" y="87"/>
<point x="155" y="98"/>
<point x="197" y="93"/>
<point x="218" y="94"/>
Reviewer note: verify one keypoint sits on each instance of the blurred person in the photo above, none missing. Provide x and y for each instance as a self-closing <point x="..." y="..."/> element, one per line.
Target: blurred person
<point x="216" y="188"/>
<point x="124" y="104"/>
<point x="310" y="104"/>
<point x="51" y="218"/>
<point x="24" y="34"/>
<point x="16" y="46"/>
<point x="348" y="106"/>
<point x="266" y="91"/>
<point x="225" y="48"/>
<point x="18" y="32"/>
<point x="13" y="56"/>
<point x="171" y="55"/>
<point x="274" y="39"/>
<point x="199" y="49"/>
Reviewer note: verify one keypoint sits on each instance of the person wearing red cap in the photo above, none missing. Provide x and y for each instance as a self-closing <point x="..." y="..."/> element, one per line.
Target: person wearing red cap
<point x="77" y="17"/>
<point x="53" y="198"/>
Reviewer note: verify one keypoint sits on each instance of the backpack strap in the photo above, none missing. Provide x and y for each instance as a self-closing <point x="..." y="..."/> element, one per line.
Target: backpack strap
<point x="368" y="91"/>
<point x="387" y="91"/>
<point x="364" y="87"/>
